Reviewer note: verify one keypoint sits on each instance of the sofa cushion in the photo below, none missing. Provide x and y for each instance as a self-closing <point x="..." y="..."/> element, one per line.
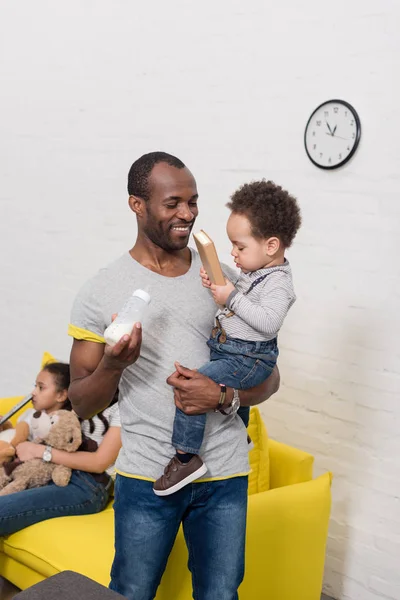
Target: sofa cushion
<point x="259" y="455"/>
<point x="46" y="547"/>
<point x="46" y="359"/>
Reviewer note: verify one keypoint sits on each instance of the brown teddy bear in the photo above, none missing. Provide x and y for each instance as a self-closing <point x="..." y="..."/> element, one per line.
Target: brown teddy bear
<point x="60" y="430"/>
<point x="10" y="437"/>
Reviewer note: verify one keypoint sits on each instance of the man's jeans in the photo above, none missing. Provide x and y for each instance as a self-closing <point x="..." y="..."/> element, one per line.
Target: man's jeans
<point x="82" y="496"/>
<point x="236" y="363"/>
<point x="213" y="515"/>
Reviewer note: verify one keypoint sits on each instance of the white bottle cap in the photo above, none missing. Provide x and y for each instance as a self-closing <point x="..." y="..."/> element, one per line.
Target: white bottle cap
<point x="143" y="295"/>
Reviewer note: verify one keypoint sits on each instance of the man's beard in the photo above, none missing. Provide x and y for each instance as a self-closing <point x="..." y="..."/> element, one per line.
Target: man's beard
<point x="164" y="240"/>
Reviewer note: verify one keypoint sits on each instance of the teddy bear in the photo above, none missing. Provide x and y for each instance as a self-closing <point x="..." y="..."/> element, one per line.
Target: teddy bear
<point x="7" y="435"/>
<point x="11" y="436"/>
<point x="60" y="430"/>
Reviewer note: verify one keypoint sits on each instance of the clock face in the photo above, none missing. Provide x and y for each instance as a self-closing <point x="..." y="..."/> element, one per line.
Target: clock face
<point x="332" y="134"/>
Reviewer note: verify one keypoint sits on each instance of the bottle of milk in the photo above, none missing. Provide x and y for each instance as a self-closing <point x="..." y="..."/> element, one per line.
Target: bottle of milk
<point x="132" y="312"/>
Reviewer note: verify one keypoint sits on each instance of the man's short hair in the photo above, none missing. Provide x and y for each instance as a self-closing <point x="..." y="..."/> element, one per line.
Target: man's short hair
<point x="139" y="173"/>
<point x="272" y="211"/>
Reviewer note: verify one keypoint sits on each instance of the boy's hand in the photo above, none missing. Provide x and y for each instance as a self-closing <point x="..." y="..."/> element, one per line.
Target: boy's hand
<point x="221" y="293"/>
<point x="204" y="278"/>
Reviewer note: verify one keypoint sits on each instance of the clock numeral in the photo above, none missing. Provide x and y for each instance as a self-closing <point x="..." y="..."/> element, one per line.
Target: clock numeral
<point x="353" y="135"/>
<point x="329" y="160"/>
<point x="340" y="157"/>
<point x="352" y="123"/>
<point x="336" y="110"/>
<point x="345" y="113"/>
<point x="348" y="148"/>
<point x="326" y="113"/>
<point x="321" y="154"/>
<point x="318" y="123"/>
<point x="314" y="146"/>
<point x="313" y="132"/>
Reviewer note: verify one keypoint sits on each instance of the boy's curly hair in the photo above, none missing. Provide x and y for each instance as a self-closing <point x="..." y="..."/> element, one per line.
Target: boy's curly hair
<point x="271" y="210"/>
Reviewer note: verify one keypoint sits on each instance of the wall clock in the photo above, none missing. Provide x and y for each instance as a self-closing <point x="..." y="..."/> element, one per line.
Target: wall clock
<point x="332" y="134"/>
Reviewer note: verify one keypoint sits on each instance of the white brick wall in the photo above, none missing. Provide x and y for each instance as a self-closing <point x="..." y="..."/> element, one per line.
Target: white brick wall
<point x="86" y="87"/>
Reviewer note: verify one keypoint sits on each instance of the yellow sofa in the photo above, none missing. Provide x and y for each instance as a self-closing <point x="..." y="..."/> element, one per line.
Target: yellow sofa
<point x="286" y="535"/>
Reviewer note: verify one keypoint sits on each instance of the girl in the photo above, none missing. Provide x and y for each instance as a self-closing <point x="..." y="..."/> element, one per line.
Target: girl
<point x="91" y="483"/>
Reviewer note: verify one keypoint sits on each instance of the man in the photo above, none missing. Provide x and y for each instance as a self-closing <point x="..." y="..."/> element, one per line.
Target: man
<point x="163" y="195"/>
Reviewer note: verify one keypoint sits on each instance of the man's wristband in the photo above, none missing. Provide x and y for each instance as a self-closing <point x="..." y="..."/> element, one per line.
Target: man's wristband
<point x="222" y="397"/>
<point x="233" y="406"/>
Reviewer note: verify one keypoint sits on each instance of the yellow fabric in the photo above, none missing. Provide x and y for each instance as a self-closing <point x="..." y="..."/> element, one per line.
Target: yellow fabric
<point x="84" y="334"/>
<point x="290" y="525"/>
<point x="286" y="536"/>
<point x="14" y="571"/>
<point x="259" y="455"/>
<point x="220" y="478"/>
<point x="288" y="465"/>
<point x="46" y="547"/>
<point x="47" y="358"/>
<point x="7" y="404"/>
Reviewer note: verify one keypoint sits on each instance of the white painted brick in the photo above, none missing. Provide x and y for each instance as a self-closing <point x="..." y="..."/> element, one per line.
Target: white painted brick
<point x="384" y="587"/>
<point x="352" y="590"/>
<point x="388" y="545"/>
<point x="84" y="96"/>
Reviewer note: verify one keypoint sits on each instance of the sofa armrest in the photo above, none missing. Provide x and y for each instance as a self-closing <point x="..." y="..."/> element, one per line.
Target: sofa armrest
<point x="288" y="465"/>
<point x="6" y="404"/>
<point x="287" y="531"/>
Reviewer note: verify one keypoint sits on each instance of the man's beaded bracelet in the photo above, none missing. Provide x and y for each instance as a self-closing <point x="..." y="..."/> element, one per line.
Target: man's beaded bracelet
<point x="222" y="397"/>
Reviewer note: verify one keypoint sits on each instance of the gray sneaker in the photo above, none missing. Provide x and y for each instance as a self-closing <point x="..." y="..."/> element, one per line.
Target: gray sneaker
<point x="177" y="475"/>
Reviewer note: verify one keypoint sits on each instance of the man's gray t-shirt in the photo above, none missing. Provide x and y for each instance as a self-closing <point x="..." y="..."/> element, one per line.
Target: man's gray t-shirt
<point x="177" y="325"/>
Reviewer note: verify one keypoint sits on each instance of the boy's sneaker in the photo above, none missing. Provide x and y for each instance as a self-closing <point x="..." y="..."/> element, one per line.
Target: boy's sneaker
<point x="250" y="443"/>
<point x="177" y="475"/>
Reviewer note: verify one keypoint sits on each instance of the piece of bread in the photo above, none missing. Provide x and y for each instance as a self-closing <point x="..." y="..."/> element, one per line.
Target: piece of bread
<point x="209" y="257"/>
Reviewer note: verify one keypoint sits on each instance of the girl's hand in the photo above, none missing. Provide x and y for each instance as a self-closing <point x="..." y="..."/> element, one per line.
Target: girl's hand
<point x="29" y="450"/>
<point x="221" y="293"/>
<point x="204" y="278"/>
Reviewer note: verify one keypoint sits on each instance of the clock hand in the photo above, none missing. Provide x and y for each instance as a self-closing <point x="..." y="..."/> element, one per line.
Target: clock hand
<point x="339" y="137"/>
<point x="330" y="130"/>
<point x="334" y="130"/>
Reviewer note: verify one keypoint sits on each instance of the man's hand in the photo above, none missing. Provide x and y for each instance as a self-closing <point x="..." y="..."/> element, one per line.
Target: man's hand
<point x="221" y="293"/>
<point x="126" y="351"/>
<point x="28" y="450"/>
<point x="194" y="393"/>
<point x="205" y="280"/>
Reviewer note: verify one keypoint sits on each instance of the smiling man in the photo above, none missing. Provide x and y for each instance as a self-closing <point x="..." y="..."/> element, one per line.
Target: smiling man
<point x="163" y="195"/>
